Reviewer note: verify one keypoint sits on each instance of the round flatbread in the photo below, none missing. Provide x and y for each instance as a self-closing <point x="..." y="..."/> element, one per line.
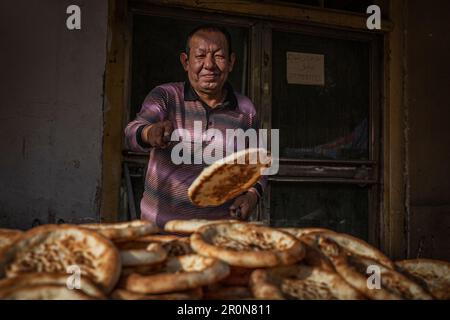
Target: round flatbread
<point x="433" y="274"/>
<point x="177" y="274"/>
<point x="192" y="225"/>
<point x="301" y="282"/>
<point x="43" y="292"/>
<point x="298" y="232"/>
<point x="370" y="277"/>
<point x="137" y="253"/>
<point x="228" y="177"/>
<point x="193" y="294"/>
<point x="247" y="245"/>
<point x="174" y="245"/>
<point x="123" y="230"/>
<point x="42" y="278"/>
<point x="58" y="249"/>
<point x="358" y="247"/>
<point x="8" y="236"/>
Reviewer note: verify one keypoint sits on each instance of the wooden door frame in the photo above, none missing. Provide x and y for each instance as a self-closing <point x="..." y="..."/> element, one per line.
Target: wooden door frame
<point x="392" y="225"/>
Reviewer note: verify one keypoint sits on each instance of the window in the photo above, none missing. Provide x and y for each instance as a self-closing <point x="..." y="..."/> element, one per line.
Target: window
<point x="329" y="133"/>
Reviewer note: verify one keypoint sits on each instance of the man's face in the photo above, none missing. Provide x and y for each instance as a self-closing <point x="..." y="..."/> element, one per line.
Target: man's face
<point x="209" y="63"/>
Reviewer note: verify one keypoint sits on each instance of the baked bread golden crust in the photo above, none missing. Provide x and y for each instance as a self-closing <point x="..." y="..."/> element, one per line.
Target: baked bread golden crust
<point x="238" y="277"/>
<point x="123" y="230"/>
<point x="301" y="282"/>
<point x="227" y="178"/>
<point x="247" y="245"/>
<point x="433" y="274"/>
<point x="8" y="236"/>
<point x="355" y="270"/>
<point x="53" y="248"/>
<point x="143" y="269"/>
<point x="177" y="274"/>
<point x="193" y="294"/>
<point x="160" y="238"/>
<point x="176" y="248"/>
<point x="137" y="253"/>
<point x="314" y="256"/>
<point x="42" y="278"/>
<point x="43" y="292"/>
<point x="222" y="292"/>
<point x="299" y="232"/>
<point x="174" y="245"/>
<point x="358" y="247"/>
<point x="192" y="225"/>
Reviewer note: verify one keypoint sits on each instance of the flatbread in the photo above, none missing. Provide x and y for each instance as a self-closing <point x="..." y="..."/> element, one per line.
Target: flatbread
<point x="193" y="294"/>
<point x="298" y="232"/>
<point x="221" y="292"/>
<point x="314" y="256"/>
<point x="355" y="270"/>
<point x="54" y="248"/>
<point x="160" y="238"/>
<point x="8" y="236"/>
<point x="42" y="278"/>
<point x="301" y="282"/>
<point x="433" y="274"/>
<point x="227" y="178"/>
<point x="192" y="225"/>
<point x="238" y="277"/>
<point x="123" y="230"/>
<point x="247" y="245"/>
<point x="143" y="269"/>
<point x="358" y="247"/>
<point x="176" y="248"/>
<point x="174" y="245"/>
<point x="43" y="292"/>
<point x="177" y="274"/>
<point x="136" y="253"/>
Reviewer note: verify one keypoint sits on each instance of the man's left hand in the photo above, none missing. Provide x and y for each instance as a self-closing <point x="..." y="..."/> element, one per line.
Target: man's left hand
<point x="244" y="205"/>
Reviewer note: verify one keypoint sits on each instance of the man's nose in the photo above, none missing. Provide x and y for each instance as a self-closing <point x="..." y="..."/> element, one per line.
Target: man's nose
<point x="209" y="62"/>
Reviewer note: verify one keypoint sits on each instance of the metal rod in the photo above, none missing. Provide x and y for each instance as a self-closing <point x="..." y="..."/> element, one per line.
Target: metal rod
<point x="320" y="180"/>
<point x="131" y="204"/>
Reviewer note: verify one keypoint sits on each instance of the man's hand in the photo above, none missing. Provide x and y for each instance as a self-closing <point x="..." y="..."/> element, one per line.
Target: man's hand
<point x="244" y="205"/>
<point x="158" y="134"/>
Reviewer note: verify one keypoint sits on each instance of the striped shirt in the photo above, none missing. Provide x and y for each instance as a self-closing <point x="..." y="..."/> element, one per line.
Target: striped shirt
<point x="165" y="196"/>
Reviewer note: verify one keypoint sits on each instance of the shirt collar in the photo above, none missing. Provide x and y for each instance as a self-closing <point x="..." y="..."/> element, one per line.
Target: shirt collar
<point x="229" y="102"/>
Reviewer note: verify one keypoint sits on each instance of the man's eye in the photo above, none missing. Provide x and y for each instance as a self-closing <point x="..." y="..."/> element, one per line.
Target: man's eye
<point x="219" y="56"/>
<point x="200" y="56"/>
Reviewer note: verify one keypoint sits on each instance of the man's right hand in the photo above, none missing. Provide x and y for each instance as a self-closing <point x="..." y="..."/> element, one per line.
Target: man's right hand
<point x="155" y="134"/>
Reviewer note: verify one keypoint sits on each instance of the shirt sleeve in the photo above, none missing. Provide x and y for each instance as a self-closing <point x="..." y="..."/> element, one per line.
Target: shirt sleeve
<point x="154" y="109"/>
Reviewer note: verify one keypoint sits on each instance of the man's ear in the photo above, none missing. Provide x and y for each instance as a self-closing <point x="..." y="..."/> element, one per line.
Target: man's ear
<point x="184" y="60"/>
<point x="232" y="61"/>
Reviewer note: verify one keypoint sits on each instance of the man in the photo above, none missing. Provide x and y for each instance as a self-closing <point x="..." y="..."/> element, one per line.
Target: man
<point x="207" y="97"/>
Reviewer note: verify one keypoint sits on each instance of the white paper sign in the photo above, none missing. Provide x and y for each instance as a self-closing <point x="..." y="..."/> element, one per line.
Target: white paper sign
<point x="305" y="68"/>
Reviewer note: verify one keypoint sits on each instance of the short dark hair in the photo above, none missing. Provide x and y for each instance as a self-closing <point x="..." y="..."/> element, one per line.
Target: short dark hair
<point x="211" y="28"/>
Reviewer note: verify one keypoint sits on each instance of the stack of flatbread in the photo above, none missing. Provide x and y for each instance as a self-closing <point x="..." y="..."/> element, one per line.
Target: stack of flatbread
<point x="46" y="261"/>
<point x="204" y="259"/>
